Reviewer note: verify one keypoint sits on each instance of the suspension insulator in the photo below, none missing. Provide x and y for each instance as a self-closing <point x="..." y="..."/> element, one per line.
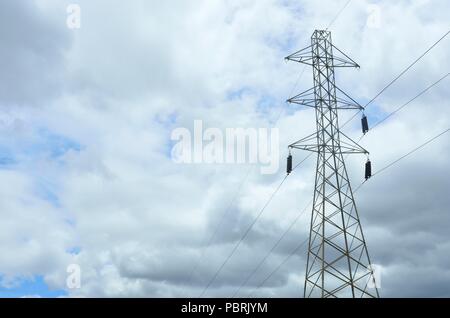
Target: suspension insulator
<point x="364" y="124"/>
<point x="368" y="169"/>
<point x="289" y="164"/>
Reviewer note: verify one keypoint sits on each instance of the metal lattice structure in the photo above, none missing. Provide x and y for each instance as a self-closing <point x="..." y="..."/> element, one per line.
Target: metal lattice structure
<point x="338" y="263"/>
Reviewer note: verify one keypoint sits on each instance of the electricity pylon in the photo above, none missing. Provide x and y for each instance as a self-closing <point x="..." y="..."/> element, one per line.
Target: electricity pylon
<point x="338" y="263"/>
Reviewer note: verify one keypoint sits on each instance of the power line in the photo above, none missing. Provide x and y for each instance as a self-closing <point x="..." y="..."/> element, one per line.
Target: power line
<point x="389" y="115"/>
<point x="243" y="237"/>
<point x="237" y="193"/>
<point x="356" y="190"/>
<point x="411" y="100"/>
<point x="216" y="230"/>
<point x="306" y="158"/>
<point x="404" y="105"/>
<point x="397" y="77"/>
<point x="297" y="248"/>
<point x="239" y="189"/>
<point x="276" y="121"/>
<point x="407" y="69"/>
<point x="337" y="15"/>
<point x="279" y="266"/>
<point x="412" y="151"/>
<point x="376" y="96"/>
<point x="279" y="240"/>
<point x="272" y="249"/>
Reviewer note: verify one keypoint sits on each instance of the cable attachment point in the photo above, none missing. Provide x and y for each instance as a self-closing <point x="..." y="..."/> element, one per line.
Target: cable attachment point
<point x="368" y="172"/>
<point x="364" y="124"/>
<point x="289" y="162"/>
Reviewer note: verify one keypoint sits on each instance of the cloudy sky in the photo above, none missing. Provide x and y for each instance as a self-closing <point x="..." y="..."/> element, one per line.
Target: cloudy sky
<point x="87" y="175"/>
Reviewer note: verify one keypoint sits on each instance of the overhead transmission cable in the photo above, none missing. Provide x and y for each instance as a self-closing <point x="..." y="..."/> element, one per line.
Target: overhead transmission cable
<point x="391" y="83"/>
<point x="309" y="155"/>
<point x="226" y="212"/>
<point x="337" y="15"/>
<point x="244" y="180"/>
<point x="373" y="99"/>
<point x="412" y="151"/>
<point x="398" y="76"/>
<point x="272" y="249"/>
<point x="405" y="104"/>
<point x="247" y="231"/>
<point x="237" y="192"/>
<point x="356" y="189"/>
<point x="303" y="211"/>
<point x="411" y="100"/>
<point x="217" y="228"/>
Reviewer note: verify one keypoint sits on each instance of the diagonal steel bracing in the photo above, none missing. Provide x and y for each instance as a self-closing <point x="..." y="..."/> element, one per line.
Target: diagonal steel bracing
<point x="338" y="263"/>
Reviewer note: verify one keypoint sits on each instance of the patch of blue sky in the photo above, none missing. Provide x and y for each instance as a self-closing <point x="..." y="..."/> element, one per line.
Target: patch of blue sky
<point x="289" y="43"/>
<point x="269" y="107"/>
<point x="284" y="45"/>
<point x="70" y="221"/>
<point x="74" y="250"/>
<point x="54" y="144"/>
<point x="24" y="152"/>
<point x="265" y="102"/>
<point x="47" y="145"/>
<point x="30" y="287"/>
<point x="238" y="93"/>
<point x="168" y="147"/>
<point x="46" y="190"/>
<point x="7" y="158"/>
<point x="167" y="121"/>
<point x="291" y="108"/>
<point x="374" y="112"/>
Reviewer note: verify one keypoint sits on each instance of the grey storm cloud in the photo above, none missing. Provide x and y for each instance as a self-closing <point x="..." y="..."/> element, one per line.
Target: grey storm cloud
<point x="136" y="222"/>
<point x="32" y="54"/>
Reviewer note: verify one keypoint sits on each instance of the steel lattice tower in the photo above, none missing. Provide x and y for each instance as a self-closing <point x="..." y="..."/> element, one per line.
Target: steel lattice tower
<point x="338" y="263"/>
